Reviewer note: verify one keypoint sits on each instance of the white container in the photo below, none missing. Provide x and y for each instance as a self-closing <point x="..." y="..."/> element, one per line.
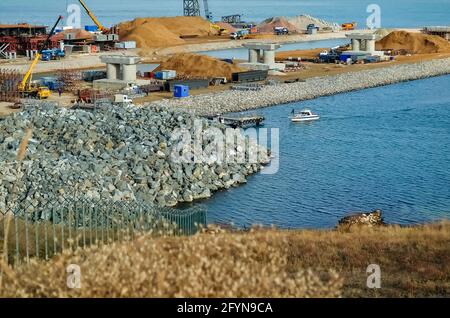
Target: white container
<point x="129" y="44"/>
<point x="169" y="74"/>
<point x="120" y="98"/>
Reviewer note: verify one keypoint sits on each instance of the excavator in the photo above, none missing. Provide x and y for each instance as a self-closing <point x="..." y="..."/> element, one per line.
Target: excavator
<point x="26" y="88"/>
<point x="209" y="16"/>
<point x="348" y="26"/>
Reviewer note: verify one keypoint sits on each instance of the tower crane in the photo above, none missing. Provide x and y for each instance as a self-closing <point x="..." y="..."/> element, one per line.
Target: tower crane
<point x="25" y="87"/>
<point x="100" y="27"/>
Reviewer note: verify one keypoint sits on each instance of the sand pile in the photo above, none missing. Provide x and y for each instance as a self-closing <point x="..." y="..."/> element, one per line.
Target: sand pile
<point x="80" y="34"/>
<point x="163" y="32"/>
<point x="414" y="43"/>
<point x="301" y="23"/>
<point x="199" y="66"/>
<point x="381" y="33"/>
<point x="267" y="26"/>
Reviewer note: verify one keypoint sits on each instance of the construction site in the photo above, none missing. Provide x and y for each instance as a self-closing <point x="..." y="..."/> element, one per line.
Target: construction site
<point x="228" y="144"/>
<point x="151" y="59"/>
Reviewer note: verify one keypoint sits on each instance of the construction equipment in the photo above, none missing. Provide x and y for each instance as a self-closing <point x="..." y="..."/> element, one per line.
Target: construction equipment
<point x="100" y="27"/>
<point x="191" y="8"/>
<point x="281" y="30"/>
<point x="348" y="26"/>
<point x="219" y="29"/>
<point x="312" y="26"/>
<point x="54" y="54"/>
<point x="26" y="88"/>
<point x="240" y="34"/>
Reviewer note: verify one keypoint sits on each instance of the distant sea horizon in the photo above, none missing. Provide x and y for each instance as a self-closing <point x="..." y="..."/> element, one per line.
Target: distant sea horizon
<point x="398" y="13"/>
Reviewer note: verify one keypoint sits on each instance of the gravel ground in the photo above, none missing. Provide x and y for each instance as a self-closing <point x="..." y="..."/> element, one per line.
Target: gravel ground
<point x="235" y="101"/>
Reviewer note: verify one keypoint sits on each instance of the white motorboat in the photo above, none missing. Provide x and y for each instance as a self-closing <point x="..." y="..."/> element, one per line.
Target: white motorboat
<point x="304" y="115"/>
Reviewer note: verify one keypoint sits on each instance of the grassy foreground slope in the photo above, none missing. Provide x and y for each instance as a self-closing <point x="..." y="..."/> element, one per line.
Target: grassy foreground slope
<point x="414" y="261"/>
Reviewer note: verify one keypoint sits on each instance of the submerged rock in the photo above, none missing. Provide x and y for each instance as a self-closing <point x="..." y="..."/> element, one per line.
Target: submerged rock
<point x="370" y="219"/>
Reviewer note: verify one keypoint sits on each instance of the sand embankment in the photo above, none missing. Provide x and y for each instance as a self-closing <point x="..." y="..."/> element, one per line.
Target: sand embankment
<point x="234" y="101"/>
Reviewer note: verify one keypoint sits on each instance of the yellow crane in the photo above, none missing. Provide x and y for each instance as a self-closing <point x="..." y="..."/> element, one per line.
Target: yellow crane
<point x="25" y="87"/>
<point x="100" y="27"/>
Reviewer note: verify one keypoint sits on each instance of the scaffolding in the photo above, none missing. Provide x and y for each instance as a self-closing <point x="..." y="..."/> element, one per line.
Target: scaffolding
<point x="69" y="80"/>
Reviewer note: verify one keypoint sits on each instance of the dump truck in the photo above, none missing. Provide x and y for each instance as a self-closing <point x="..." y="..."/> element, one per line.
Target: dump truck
<point x="239" y="35"/>
<point x="54" y="54"/>
<point x="281" y="30"/>
<point x="219" y="29"/>
<point x="348" y="26"/>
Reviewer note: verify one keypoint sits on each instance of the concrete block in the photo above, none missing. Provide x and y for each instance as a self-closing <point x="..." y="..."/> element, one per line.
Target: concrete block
<point x="255" y="66"/>
<point x="120" y="59"/>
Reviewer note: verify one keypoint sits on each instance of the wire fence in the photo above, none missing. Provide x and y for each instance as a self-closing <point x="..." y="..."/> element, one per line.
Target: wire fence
<point x="45" y="230"/>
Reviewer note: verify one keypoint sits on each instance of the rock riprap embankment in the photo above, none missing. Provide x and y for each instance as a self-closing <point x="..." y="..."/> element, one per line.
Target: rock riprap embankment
<point x="113" y="154"/>
<point x="235" y="101"/>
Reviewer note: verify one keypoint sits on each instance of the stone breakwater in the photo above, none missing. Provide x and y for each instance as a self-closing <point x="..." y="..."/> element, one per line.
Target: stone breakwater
<point x="235" y="101"/>
<point x="119" y="154"/>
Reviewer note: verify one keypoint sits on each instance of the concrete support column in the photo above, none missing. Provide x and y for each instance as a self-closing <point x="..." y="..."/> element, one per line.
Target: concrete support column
<point x="112" y="71"/>
<point x="253" y="56"/>
<point x="370" y="45"/>
<point x="363" y="45"/>
<point x="269" y="57"/>
<point x="260" y="56"/>
<point x="355" y="45"/>
<point x="129" y="72"/>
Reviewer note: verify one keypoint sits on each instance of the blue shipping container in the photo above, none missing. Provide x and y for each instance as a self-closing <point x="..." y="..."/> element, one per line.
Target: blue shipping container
<point x="158" y="75"/>
<point x="344" y="57"/>
<point x="91" y="28"/>
<point x="180" y="91"/>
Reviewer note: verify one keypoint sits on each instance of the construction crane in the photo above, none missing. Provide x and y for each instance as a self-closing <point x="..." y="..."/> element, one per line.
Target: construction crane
<point x="191" y="8"/>
<point x="208" y="14"/>
<point x="100" y="27"/>
<point x="25" y="87"/>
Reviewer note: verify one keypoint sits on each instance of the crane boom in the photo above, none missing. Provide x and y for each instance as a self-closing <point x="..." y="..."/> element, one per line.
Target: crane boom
<point x="23" y="84"/>
<point x="92" y="16"/>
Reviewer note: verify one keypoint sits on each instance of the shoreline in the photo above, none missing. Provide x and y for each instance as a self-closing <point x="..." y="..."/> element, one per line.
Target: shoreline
<point x="237" y="44"/>
<point x="237" y="101"/>
<point x="92" y="61"/>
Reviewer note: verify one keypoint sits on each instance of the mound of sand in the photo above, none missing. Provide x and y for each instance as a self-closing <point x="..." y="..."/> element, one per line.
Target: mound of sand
<point x="268" y="25"/>
<point x="163" y="32"/>
<point x="381" y="33"/>
<point x="199" y="66"/>
<point x="416" y="43"/>
<point x="301" y="23"/>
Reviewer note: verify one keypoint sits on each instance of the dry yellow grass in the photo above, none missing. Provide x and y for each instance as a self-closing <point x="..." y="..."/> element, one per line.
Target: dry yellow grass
<point x="21" y="152"/>
<point x="263" y="263"/>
